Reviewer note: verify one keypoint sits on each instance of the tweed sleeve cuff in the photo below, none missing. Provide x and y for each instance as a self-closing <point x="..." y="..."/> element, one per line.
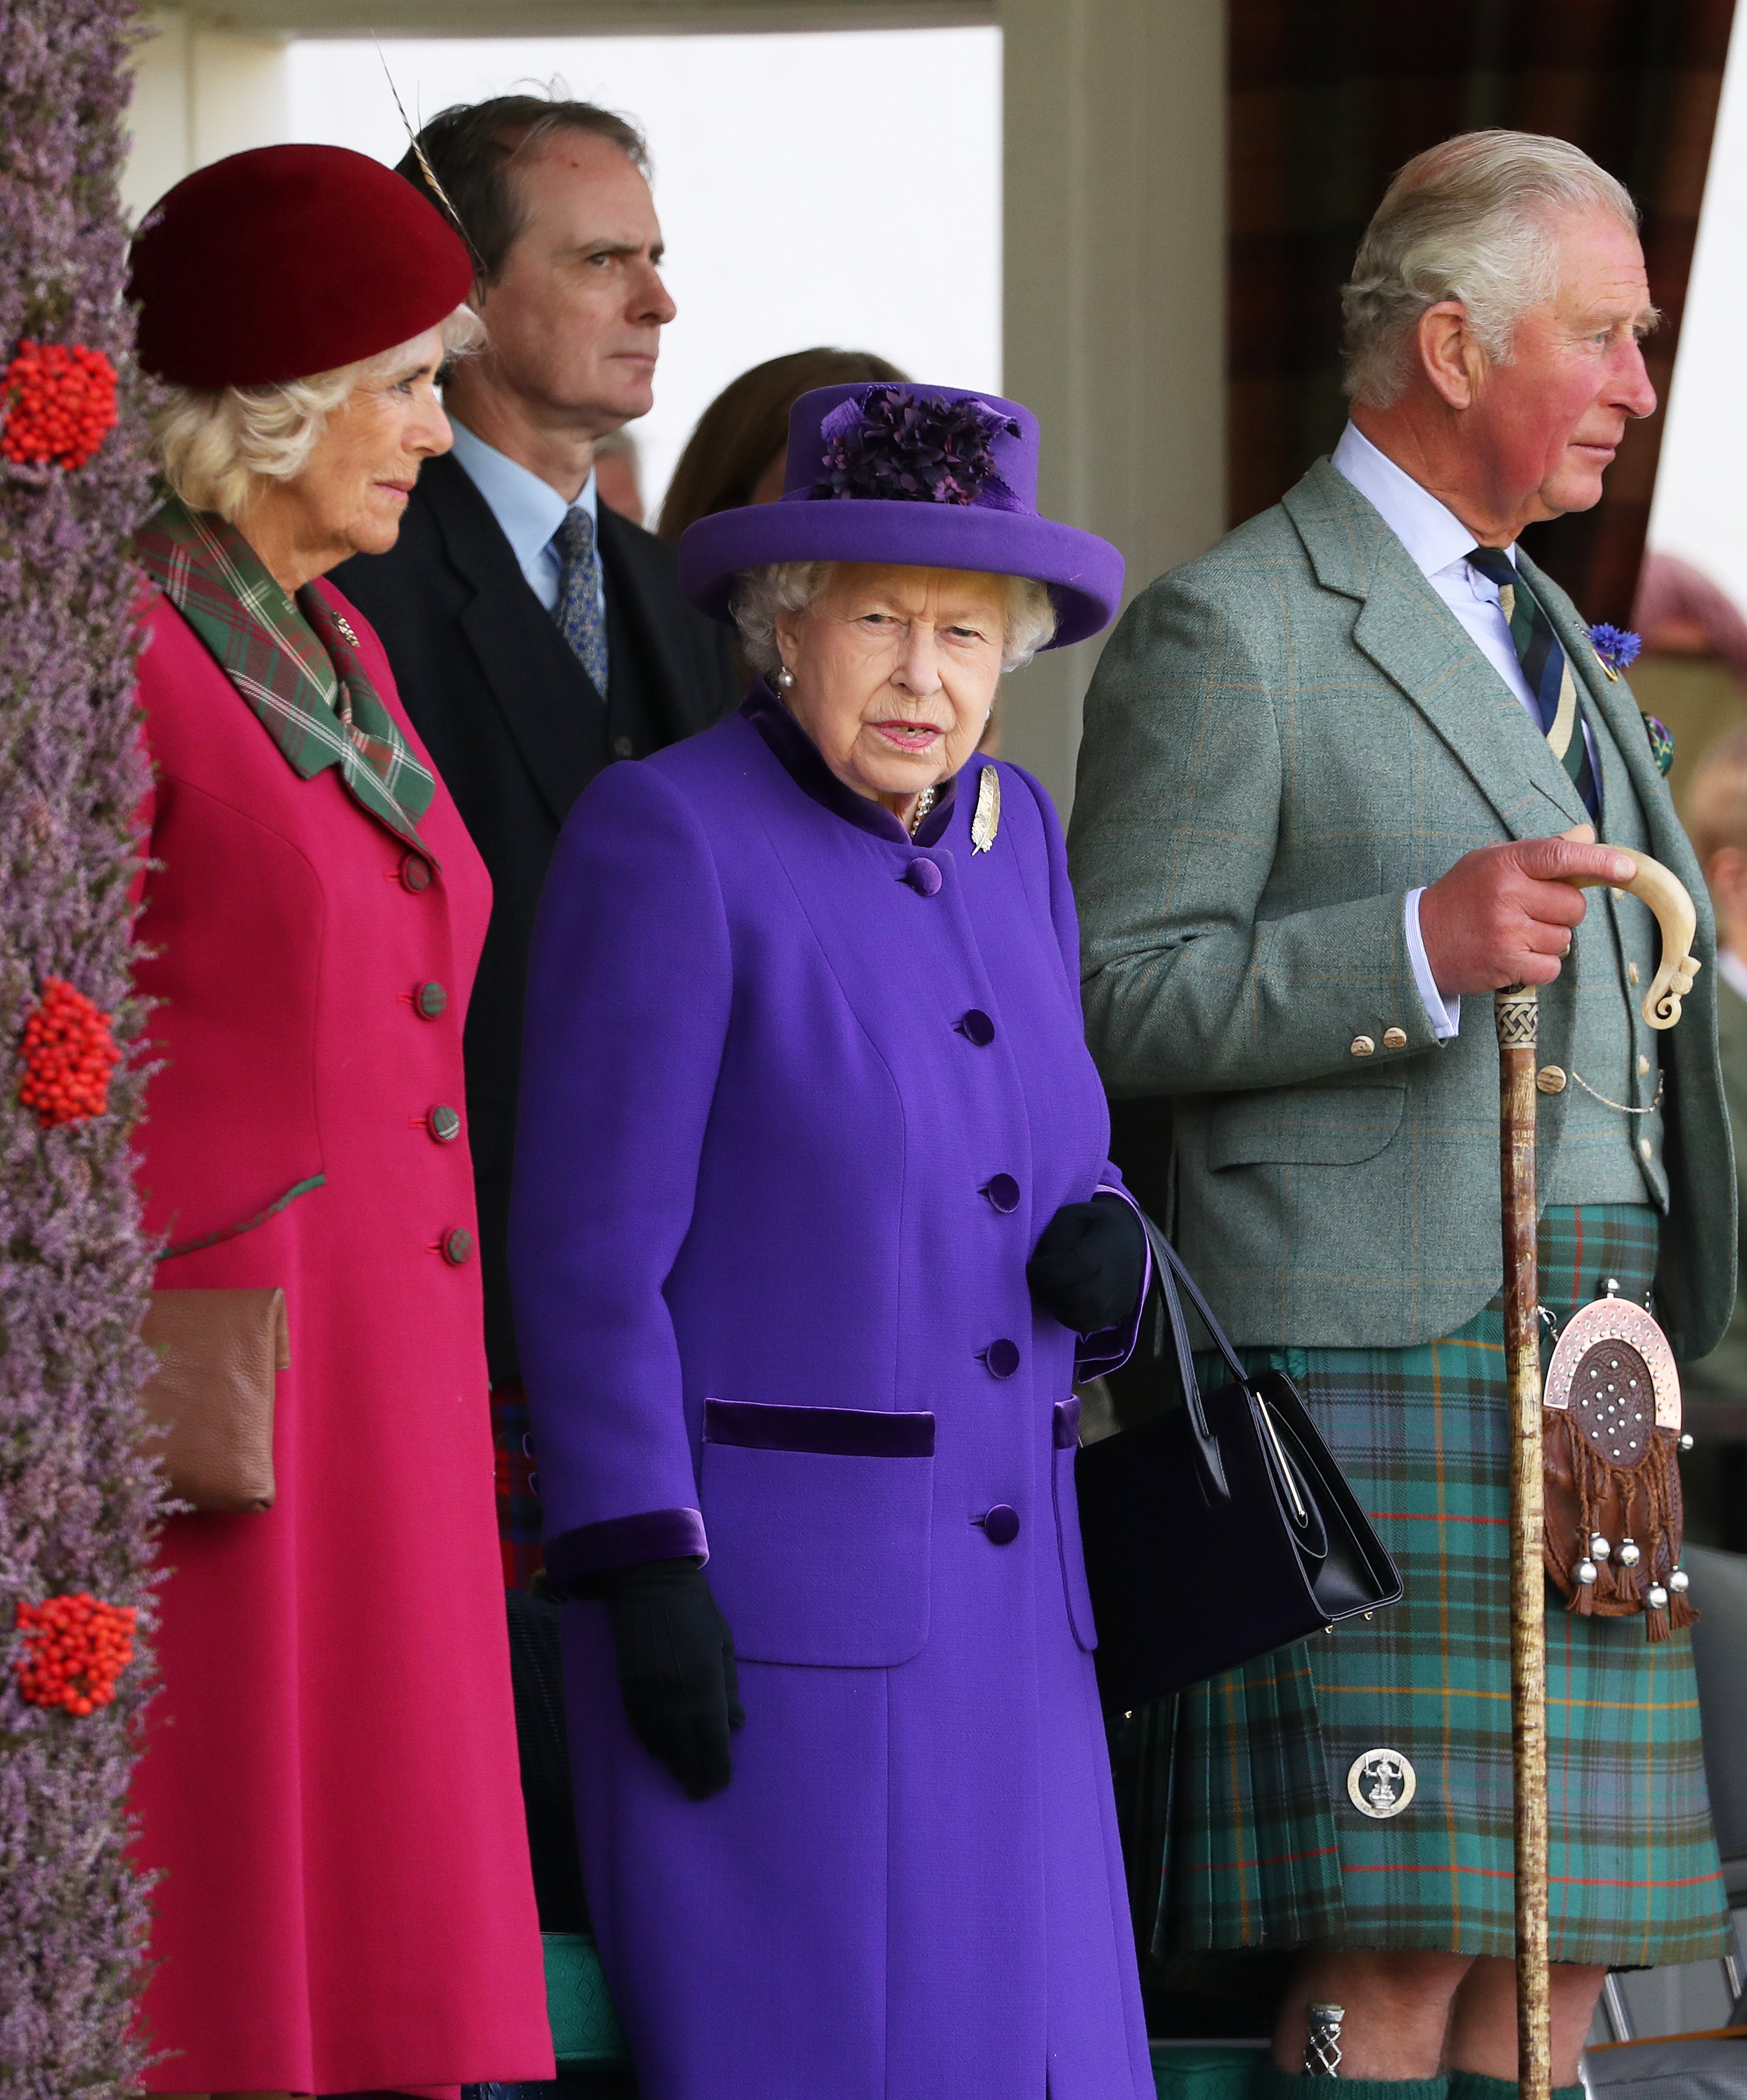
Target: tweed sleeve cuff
<point x="574" y="1557"/>
<point x="1110" y="1347"/>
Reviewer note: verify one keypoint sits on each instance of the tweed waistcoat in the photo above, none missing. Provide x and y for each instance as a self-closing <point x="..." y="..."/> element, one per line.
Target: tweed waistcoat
<point x="1597" y="1033"/>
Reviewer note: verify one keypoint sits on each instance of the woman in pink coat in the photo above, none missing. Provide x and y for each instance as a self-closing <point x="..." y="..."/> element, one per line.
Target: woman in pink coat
<point x="329" y="1789"/>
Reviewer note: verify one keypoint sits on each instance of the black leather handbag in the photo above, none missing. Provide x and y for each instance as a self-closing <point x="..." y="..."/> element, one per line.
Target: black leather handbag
<point x="1219" y="1529"/>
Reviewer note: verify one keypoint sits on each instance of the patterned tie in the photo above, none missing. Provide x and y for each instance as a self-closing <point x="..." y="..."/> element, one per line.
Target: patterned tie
<point x="1546" y="668"/>
<point x="578" y="612"/>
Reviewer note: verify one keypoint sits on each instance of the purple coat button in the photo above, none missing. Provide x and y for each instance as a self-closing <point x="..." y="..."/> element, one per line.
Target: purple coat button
<point x="1002" y="1358"/>
<point x="1003" y="1192"/>
<point x="1001" y="1525"/>
<point x="977" y="1026"/>
<point x="924" y="877"/>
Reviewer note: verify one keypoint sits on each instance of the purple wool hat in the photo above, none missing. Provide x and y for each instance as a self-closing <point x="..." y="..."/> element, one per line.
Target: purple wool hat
<point x="929" y="477"/>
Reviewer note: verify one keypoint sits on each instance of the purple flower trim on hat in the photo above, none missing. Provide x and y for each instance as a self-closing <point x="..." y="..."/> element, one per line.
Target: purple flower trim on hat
<point x="891" y="445"/>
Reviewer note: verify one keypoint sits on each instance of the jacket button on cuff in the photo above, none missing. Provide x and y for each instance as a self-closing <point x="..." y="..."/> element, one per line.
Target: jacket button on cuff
<point x="977" y="1026"/>
<point x="1003" y="1192"/>
<point x="1001" y="1525"/>
<point x="1362" y="1046"/>
<point x="415" y="872"/>
<point x="1395" y="1038"/>
<point x="1551" y="1079"/>
<point x="443" y="1124"/>
<point x="1002" y="1358"/>
<point x="457" y="1246"/>
<point x="623" y="747"/>
<point x="924" y="878"/>
<point x="430" y="1000"/>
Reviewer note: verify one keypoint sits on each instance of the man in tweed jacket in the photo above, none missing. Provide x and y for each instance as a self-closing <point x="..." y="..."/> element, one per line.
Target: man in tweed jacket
<point x="1324" y="809"/>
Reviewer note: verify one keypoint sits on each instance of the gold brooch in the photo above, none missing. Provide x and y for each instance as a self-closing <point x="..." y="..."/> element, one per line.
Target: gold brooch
<point x="987" y="820"/>
<point x="345" y="627"/>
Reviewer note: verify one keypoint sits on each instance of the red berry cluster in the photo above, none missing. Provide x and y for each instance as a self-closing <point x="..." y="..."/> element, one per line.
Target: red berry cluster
<point x="68" y="1054"/>
<point x="75" y="1648"/>
<point x="59" y="403"/>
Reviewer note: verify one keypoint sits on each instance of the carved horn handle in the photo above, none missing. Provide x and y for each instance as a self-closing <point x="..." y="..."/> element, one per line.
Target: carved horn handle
<point x="1662" y="892"/>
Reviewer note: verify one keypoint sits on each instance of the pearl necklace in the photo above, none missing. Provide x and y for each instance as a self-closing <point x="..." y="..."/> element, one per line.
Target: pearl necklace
<point x="924" y="803"/>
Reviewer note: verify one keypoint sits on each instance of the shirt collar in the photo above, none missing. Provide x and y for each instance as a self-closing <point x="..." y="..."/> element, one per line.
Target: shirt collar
<point x="1430" y="531"/>
<point x="800" y="758"/>
<point x="528" y="511"/>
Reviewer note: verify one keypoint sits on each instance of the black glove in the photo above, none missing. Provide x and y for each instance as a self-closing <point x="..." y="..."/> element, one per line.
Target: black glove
<point x="676" y="1671"/>
<point x="1090" y="1264"/>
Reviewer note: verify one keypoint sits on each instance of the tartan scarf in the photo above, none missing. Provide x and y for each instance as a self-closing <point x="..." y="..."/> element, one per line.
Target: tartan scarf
<point x="295" y="662"/>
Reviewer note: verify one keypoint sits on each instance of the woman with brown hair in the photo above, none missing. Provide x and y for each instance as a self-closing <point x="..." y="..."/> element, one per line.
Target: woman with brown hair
<point x="737" y="454"/>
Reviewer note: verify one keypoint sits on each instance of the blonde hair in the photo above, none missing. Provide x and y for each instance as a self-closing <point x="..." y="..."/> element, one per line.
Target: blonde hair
<point x="761" y="594"/>
<point x="1716" y="797"/>
<point x="217" y="445"/>
<point x="1469" y="220"/>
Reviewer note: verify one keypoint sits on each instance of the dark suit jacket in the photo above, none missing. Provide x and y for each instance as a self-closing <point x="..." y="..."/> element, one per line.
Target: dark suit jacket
<point x="518" y="731"/>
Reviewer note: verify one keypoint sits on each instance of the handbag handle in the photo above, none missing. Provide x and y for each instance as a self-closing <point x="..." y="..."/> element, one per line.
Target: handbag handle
<point x="1169" y="1271"/>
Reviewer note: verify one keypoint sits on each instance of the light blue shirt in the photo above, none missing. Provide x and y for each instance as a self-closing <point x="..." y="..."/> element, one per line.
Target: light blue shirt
<point x="1439" y="542"/>
<point x="528" y="509"/>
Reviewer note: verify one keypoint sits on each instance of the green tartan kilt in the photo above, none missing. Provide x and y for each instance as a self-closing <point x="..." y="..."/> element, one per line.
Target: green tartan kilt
<point x="1254" y="1841"/>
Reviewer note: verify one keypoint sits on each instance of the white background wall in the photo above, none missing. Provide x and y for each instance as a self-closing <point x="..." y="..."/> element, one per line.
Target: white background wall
<point x="1701" y="507"/>
<point x="841" y="188"/>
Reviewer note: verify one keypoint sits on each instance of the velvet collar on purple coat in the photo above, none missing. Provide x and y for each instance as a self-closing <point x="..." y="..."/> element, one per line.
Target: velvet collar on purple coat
<point x="800" y="759"/>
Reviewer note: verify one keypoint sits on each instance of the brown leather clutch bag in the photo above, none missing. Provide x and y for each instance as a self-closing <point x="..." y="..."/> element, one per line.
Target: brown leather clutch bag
<point x="212" y="1395"/>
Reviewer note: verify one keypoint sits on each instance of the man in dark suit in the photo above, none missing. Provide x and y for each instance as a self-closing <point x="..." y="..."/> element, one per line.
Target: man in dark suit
<point x="535" y="634"/>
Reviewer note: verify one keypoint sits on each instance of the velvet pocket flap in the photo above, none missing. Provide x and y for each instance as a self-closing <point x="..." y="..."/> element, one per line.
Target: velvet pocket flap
<point x="818" y="1521"/>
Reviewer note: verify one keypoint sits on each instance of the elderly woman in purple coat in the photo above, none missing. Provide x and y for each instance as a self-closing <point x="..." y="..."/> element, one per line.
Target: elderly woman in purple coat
<point x="812" y="1222"/>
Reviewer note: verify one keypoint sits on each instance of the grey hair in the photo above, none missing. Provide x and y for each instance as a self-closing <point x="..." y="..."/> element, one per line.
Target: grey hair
<point x="1470" y="219"/>
<point x="217" y="445"/>
<point x="760" y="595"/>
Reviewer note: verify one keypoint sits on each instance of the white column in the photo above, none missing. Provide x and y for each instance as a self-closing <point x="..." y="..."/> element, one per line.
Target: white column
<point x="200" y="93"/>
<point x="1115" y="227"/>
<point x="157" y="118"/>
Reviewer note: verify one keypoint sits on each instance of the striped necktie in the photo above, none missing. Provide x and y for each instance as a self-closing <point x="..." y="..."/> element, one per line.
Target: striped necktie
<point x="1545" y="667"/>
<point x="578" y="612"/>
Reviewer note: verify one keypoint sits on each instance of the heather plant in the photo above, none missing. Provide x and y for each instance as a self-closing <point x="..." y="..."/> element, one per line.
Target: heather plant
<point x="77" y="1500"/>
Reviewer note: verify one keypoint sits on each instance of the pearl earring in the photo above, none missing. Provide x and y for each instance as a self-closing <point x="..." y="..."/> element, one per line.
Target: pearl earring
<point x="785" y="679"/>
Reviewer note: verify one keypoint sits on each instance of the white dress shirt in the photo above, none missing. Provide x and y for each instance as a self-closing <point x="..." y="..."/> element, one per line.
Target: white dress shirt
<point x="1438" y="542"/>
<point x="528" y="511"/>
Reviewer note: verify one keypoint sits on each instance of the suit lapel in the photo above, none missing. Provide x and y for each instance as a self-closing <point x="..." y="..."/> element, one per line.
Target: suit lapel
<point x="551" y="710"/>
<point x="643" y="591"/>
<point x="1611" y="698"/>
<point x="1418" y="643"/>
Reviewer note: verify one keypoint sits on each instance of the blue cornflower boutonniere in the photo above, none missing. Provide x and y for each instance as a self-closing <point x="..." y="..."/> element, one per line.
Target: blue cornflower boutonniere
<point x="1617" y="648"/>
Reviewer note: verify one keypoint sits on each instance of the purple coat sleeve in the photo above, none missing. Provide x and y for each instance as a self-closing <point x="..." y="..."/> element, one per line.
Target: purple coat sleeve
<point x="628" y="998"/>
<point x="1109" y="1349"/>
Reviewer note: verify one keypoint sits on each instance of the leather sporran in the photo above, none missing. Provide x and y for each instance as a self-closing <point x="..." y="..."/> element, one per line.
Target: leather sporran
<point x="219" y="1352"/>
<point x="1610" y="1432"/>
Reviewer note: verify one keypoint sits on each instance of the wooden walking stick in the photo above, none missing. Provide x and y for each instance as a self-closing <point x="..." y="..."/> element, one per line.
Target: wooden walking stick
<point x="1514" y="1011"/>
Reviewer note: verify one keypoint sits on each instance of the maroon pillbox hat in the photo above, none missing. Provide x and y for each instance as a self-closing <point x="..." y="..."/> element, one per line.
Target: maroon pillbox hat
<point x="287" y="261"/>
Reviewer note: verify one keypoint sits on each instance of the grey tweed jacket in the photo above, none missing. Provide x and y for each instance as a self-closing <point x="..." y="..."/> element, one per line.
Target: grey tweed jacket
<point x="1281" y="739"/>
